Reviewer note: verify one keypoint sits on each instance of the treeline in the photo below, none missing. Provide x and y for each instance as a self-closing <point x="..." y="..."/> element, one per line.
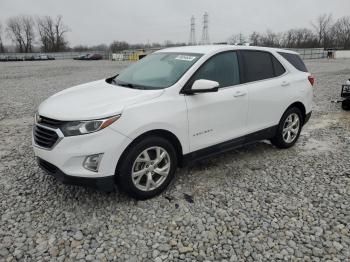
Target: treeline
<point x="118" y="46"/>
<point x="324" y="33"/>
<point x="48" y="34"/>
<point x="25" y="31"/>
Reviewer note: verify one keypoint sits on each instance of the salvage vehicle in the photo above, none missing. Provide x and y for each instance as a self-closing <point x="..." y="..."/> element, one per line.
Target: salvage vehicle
<point x="81" y="57"/>
<point x="174" y="106"/>
<point x="345" y="94"/>
<point x="89" y="57"/>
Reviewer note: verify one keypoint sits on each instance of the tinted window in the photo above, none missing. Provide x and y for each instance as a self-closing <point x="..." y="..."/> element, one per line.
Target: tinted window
<point x="295" y="60"/>
<point x="257" y="65"/>
<point x="277" y="66"/>
<point x="222" y="68"/>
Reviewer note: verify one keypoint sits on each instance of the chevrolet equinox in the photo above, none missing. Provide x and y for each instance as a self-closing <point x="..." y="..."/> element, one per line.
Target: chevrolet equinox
<point x="173" y="106"/>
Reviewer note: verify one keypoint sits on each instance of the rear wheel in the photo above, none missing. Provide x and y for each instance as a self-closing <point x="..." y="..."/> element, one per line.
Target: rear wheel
<point x="346" y="104"/>
<point x="148" y="168"/>
<point x="289" y="128"/>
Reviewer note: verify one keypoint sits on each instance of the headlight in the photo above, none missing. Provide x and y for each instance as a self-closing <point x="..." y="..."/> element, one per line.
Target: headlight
<point x="76" y="128"/>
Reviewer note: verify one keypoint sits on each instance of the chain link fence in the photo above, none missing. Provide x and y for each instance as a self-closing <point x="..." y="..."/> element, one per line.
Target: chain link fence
<point x="310" y="53"/>
<point x="56" y="55"/>
<point x="132" y="55"/>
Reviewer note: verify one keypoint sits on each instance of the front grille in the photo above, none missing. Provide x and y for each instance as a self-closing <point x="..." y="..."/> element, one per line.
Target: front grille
<point x="44" y="137"/>
<point x="47" y="166"/>
<point x="51" y="122"/>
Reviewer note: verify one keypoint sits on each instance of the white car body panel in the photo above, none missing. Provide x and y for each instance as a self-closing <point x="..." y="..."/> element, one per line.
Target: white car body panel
<point x="93" y="100"/>
<point x="217" y="117"/>
<point x="267" y="102"/>
<point x="163" y="113"/>
<point x="69" y="154"/>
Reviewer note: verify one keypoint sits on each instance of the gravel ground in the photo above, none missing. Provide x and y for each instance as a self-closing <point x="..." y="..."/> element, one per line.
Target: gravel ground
<point x="256" y="203"/>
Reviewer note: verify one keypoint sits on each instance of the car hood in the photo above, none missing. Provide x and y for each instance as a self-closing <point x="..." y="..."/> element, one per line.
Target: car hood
<point x="93" y="100"/>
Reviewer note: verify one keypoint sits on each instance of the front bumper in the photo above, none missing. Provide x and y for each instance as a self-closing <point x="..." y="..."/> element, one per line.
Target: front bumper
<point x="69" y="154"/>
<point x="104" y="183"/>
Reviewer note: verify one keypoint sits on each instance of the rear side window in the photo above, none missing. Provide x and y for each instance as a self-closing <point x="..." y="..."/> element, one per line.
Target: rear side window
<point x="277" y="66"/>
<point x="257" y="65"/>
<point x="222" y="68"/>
<point x="295" y="60"/>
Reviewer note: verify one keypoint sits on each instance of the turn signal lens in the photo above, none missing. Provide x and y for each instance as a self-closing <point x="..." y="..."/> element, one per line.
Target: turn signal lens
<point x="311" y="80"/>
<point x="109" y="121"/>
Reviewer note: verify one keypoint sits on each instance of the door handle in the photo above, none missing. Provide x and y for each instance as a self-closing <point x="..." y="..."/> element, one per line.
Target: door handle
<point x="239" y="93"/>
<point x="285" y="83"/>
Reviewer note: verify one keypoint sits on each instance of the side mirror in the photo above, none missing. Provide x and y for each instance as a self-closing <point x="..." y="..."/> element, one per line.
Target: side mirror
<point x="203" y="86"/>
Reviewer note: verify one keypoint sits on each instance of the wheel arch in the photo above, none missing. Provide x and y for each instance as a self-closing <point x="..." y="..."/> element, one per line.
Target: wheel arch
<point x="171" y="137"/>
<point x="300" y="106"/>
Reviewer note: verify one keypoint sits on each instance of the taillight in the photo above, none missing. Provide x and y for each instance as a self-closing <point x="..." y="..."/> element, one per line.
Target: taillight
<point x="311" y="80"/>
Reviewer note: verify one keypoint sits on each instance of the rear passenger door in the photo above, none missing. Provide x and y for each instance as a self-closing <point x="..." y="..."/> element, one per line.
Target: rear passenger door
<point x="267" y="86"/>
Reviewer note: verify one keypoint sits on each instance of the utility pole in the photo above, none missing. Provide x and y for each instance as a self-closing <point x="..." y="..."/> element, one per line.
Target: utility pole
<point x="205" y="33"/>
<point x="193" y="32"/>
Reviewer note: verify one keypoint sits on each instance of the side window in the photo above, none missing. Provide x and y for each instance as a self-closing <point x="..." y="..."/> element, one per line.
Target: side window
<point x="257" y="65"/>
<point x="277" y="66"/>
<point x="222" y="68"/>
<point x="295" y="60"/>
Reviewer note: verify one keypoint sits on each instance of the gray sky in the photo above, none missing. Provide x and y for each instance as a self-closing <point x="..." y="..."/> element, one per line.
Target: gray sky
<point x="95" y="22"/>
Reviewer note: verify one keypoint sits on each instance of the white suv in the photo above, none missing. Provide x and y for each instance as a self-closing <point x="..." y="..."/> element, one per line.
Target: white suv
<point x="173" y="106"/>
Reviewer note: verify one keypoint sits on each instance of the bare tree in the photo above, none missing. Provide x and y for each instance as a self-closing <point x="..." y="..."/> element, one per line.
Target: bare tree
<point x="255" y="38"/>
<point x="341" y="33"/>
<point x="20" y="30"/>
<point x="322" y="27"/>
<point x="271" y="39"/>
<point x="14" y="32"/>
<point x="118" y="46"/>
<point x="237" y="39"/>
<point x="299" y="38"/>
<point x="52" y="33"/>
<point x="233" y="39"/>
<point x="2" y="48"/>
<point x="325" y="34"/>
<point x="28" y="31"/>
<point x="168" y="43"/>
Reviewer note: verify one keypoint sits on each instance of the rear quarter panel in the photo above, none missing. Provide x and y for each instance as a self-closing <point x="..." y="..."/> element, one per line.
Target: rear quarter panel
<point x="302" y="90"/>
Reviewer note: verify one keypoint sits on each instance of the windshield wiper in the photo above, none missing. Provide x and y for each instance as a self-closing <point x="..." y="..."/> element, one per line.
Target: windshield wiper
<point x="129" y="85"/>
<point x="126" y="84"/>
<point x="114" y="81"/>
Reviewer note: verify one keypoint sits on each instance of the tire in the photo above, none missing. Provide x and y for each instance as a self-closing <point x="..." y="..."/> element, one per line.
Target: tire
<point x="141" y="177"/>
<point x="346" y="104"/>
<point x="284" y="138"/>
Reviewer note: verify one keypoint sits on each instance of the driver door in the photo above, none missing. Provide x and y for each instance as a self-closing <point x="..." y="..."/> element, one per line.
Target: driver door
<point x="221" y="116"/>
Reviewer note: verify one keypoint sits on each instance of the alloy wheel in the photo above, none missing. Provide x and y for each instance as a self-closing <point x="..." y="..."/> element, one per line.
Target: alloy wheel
<point x="151" y="168"/>
<point x="291" y="128"/>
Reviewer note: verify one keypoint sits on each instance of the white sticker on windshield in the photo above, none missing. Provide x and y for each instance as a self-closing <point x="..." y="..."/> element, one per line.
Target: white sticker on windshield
<point x="185" y="57"/>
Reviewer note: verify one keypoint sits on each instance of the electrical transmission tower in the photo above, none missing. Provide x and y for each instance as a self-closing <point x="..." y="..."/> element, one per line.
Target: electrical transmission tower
<point x="205" y="33"/>
<point x="193" y="32"/>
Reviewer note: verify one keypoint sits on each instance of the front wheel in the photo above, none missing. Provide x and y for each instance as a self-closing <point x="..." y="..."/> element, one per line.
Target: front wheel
<point x="148" y="167"/>
<point x="289" y="128"/>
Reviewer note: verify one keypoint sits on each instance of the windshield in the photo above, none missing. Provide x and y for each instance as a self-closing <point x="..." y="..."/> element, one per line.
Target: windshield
<point x="156" y="71"/>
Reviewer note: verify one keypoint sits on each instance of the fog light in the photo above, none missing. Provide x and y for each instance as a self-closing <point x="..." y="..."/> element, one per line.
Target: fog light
<point x="92" y="162"/>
